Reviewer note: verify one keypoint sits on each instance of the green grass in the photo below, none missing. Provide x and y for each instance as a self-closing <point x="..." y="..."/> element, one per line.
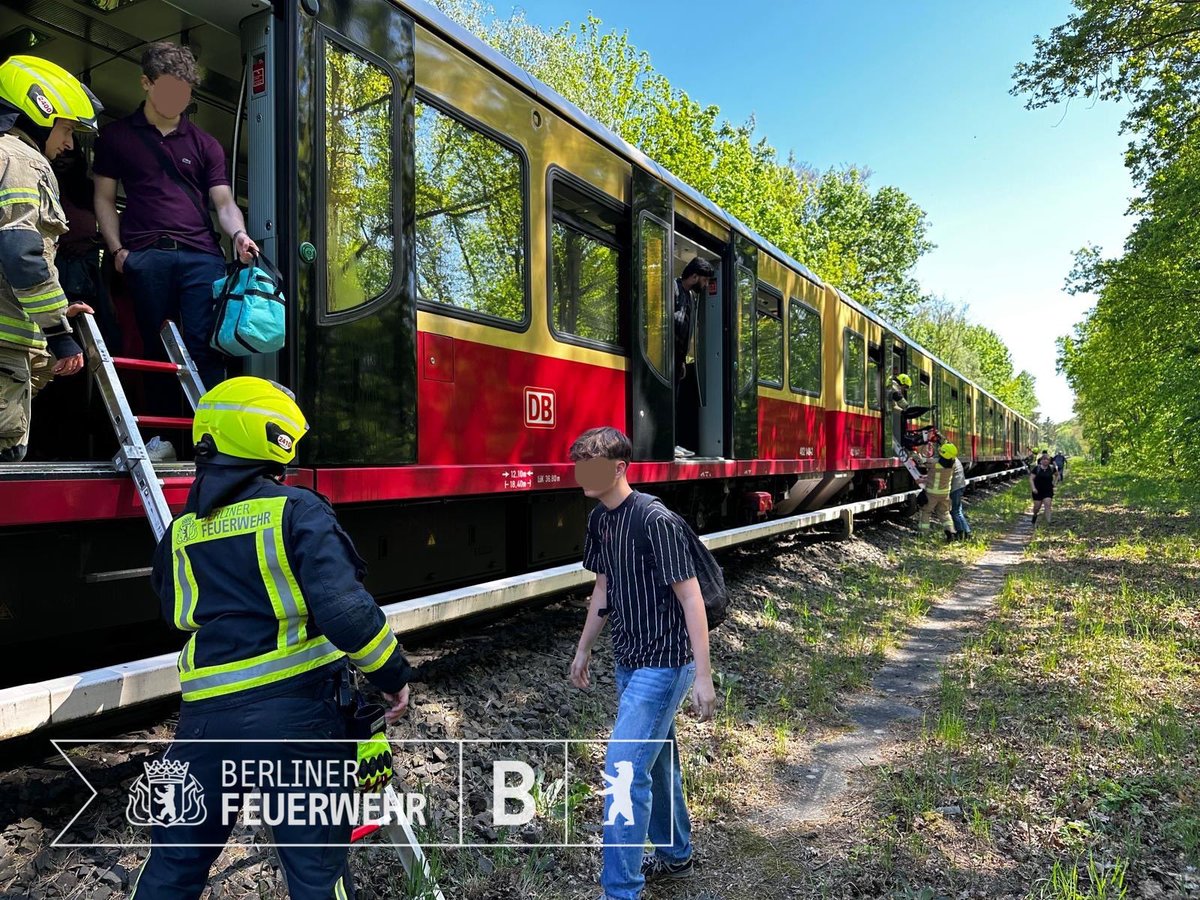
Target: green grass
<point x="1067" y="730"/>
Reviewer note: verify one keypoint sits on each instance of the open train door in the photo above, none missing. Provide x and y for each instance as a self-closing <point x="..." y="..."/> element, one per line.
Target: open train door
<point x="652" y="359"/>
<point x="743" y="374"/>
<point x="355" y="356"/>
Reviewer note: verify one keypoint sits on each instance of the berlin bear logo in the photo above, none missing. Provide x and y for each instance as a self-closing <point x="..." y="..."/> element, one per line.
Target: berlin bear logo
<point x="619" y="788"/>
<point x="166" y="795"/>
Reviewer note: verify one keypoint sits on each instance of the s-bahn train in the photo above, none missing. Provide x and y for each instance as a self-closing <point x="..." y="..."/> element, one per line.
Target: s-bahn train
<point x="476" y="272"/>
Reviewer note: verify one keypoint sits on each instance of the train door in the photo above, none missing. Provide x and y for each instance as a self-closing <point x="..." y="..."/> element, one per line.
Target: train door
<point x="895" y="358"/>
<point x="652" y="358"/>
<point x="743" y="373"/>
<point x="352" y="159"/>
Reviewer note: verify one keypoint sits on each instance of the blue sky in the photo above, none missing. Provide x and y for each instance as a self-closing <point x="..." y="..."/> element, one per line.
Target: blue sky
<point x="917" y="92"/>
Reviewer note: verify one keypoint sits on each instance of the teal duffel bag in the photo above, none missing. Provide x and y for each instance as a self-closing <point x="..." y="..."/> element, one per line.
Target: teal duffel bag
<point x="251" y="316"/>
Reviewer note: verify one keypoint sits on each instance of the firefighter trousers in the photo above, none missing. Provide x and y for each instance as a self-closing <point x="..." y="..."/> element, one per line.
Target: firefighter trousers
<point x="232" y="770"/>
<point x="938" y="508"/>
<point x="23" y="372"/>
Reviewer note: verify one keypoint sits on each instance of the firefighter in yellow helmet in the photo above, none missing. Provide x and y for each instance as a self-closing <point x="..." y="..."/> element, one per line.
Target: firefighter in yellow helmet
<point x="41" y="107"/>
<point x="269" y="587"/>
<point x="938" y="483"/>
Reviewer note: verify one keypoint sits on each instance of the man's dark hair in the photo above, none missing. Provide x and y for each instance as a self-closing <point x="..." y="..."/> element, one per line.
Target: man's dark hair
<point x="605" y="442"/>
<point x="698" y="266"/>
<point x="165" y="58"/>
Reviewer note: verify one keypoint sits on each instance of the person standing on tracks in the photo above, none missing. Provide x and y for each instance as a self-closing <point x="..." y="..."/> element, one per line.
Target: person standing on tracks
<point x="270" y="587"/>
<point x="938" y="483"/>
<point x="696" y="277"/>
<point x="41" y="107"/>
<point x="1041" y="484"/>
<point x="660" y="643"/>
<point x="164" y="242"/>
<point x="958" y="487"/>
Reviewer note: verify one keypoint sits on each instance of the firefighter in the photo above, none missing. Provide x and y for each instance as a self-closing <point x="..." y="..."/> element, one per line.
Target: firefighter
<point x="41" y="107"/>
<point x="937" y="485"/>
<point x="270" y="588"/>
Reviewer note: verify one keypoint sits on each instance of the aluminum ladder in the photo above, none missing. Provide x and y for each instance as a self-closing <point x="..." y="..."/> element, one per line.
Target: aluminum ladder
<point x="132" y="455"/>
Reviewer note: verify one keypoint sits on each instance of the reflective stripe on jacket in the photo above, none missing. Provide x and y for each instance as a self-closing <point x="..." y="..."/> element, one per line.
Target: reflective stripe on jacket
<point x="270" y="588"/>
<point x="32" y="301"/>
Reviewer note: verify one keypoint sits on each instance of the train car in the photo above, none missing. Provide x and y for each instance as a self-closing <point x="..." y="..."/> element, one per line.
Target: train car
<point x="476" y="272"/>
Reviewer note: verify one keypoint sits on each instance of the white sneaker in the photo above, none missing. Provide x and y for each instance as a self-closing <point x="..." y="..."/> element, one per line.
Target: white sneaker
<point x="683" y="452"/>
<point x="159" y="450"/>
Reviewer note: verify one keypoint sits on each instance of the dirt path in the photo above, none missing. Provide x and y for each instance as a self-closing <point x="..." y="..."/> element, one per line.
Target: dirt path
<point x="913" y="670"/>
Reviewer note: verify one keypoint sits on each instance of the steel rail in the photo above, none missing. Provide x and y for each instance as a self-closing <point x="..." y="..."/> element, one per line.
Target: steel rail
<point x="26" y="709"/>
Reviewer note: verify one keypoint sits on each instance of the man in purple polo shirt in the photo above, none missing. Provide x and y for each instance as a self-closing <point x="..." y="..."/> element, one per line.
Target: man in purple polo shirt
<point x="164" y="242"/>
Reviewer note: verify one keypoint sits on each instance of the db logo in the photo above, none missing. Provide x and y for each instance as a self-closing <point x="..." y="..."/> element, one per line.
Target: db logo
<point x="539" y="408"/>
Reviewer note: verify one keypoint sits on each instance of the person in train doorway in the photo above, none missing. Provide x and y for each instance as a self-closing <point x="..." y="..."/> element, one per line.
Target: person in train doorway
<point x="164" y="242"/>
<point x="41" y="107"/>
<point x="938" y="483"/>
<point x="270" y="588"/>
<point x="1041" y="485"/>
<point x="898" y="389"/>
<point x="660" y="645"/>
<point x="690" y="289"/>
<point x="958" y="487"/>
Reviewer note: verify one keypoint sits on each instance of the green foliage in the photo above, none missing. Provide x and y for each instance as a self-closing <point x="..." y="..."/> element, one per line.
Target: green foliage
<point x="1132" y="360"/>
<point x="974" y="350"/>
<point x="865" y="241"/>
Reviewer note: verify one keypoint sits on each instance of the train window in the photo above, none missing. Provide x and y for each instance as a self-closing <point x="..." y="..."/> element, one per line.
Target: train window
<point x="745" y="329"/>
<point x="770" y="338"/>
<point x="470" y="218"/>
<point x="585" y="266"/>
<point x="854" y="374"/>
<point x="804" y="348"/>
<point x="874" y="388"/>
<point x="656" y="267"/>
<point x="924" y="392"/>
<point x="359" y="218"/>
<point x="950" y="401"/>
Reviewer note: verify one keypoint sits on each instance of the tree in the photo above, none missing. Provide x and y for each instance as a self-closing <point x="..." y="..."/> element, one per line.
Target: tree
<point x="866" y="241"/>
<point x="1132" y="360"/>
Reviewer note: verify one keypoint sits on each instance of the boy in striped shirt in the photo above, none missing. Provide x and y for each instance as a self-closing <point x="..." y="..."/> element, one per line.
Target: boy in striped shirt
<point x="660" y="644"/>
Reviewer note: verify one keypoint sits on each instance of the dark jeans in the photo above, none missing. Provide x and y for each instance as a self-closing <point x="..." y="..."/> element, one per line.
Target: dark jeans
<point x="175" y="284"/>
<point x="176" y="868"/>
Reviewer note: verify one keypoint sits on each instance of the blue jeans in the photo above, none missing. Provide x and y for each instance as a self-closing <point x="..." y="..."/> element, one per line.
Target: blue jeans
<point x="643" y="754"/>
<point x="177" y="869"/>
<point x="956" y="512"/>
<point x="175" y="284"/>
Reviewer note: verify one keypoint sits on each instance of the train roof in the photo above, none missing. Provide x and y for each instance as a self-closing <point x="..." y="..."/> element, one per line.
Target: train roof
<point x="551" y="98"/>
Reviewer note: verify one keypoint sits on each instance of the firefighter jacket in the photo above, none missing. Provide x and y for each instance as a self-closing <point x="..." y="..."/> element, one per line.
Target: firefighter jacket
<point x="939" y="480"/>
<point x="270" y="588"/>
<point x="32" y="302"/>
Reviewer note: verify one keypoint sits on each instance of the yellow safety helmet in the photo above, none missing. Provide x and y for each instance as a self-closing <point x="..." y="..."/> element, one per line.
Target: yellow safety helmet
<point x="948" y="451"/>
<point x="250" y="418"/>
<point x="44" y="92"/>
<point x="904" y="380"/>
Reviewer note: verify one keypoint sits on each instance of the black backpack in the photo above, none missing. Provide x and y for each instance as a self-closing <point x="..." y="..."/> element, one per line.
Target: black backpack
<point x="708" y="570"/>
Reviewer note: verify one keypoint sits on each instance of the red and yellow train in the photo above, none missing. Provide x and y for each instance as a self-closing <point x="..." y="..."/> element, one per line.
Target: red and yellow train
<point x="477" y="272"/>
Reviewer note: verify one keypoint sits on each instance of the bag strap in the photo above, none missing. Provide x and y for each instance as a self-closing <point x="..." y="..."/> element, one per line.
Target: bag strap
<point x="260" y="259"/>
<point x="172" y="171"/>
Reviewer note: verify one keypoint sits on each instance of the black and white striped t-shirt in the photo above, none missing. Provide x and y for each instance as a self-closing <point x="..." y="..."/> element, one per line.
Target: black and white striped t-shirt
<point x="648" y="627"/>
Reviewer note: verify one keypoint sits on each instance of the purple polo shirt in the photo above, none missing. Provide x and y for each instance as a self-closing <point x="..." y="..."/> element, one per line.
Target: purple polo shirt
<point x="155" y="205"/>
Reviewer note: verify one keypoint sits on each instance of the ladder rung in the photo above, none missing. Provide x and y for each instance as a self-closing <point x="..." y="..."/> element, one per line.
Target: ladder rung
<point x="164" y="422"/>
<point x="144" y="365"/>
